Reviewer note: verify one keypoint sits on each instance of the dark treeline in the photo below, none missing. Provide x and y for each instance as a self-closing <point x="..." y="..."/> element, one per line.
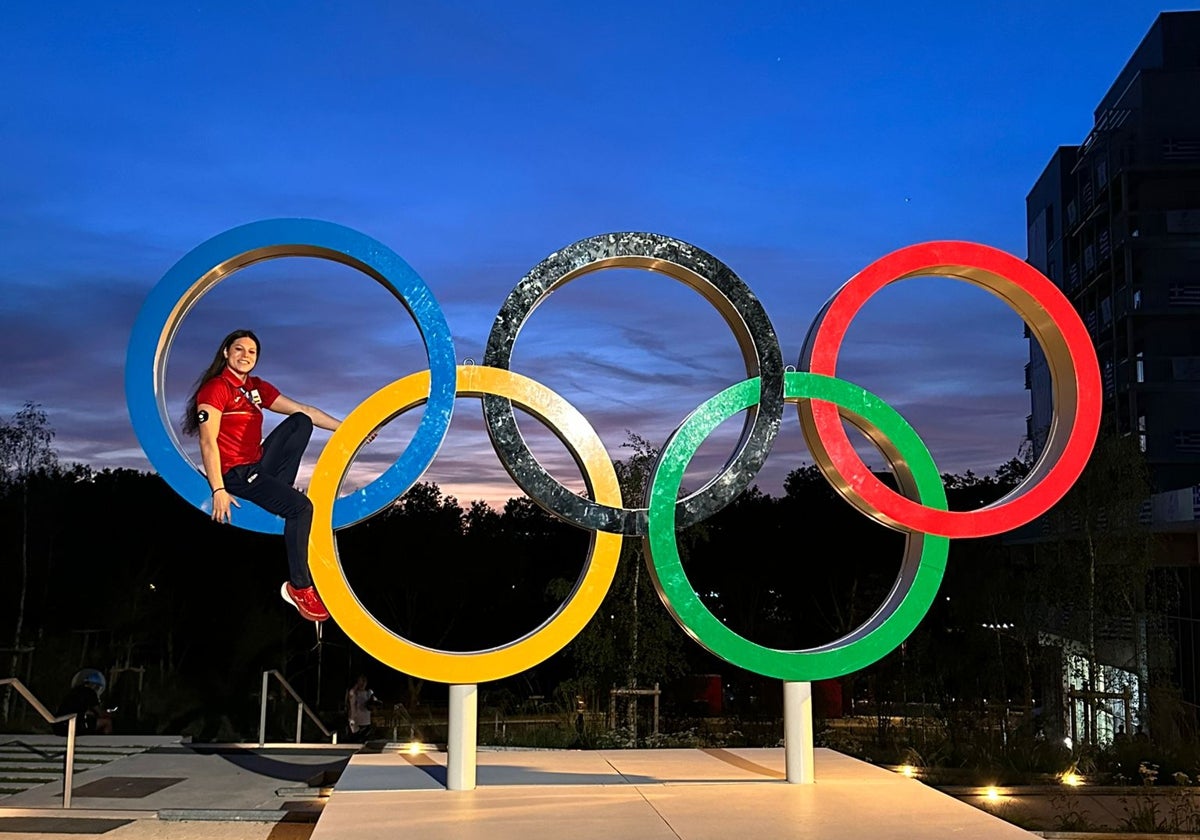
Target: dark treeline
<point x="112" y="570"/>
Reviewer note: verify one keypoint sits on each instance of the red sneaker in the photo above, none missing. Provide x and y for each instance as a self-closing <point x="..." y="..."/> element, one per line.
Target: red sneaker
<point x="306" y="601"/>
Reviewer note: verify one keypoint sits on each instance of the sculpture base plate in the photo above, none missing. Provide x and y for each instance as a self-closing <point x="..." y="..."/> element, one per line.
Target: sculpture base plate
<point x="682" y="794"/>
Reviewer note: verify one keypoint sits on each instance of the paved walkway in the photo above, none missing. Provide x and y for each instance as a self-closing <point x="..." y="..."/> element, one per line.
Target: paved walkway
<point x="167" y="789"/>
<point x="30" y="761"/>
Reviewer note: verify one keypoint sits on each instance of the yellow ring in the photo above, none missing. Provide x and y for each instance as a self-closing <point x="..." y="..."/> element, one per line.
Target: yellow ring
<point x="454" y="667"/>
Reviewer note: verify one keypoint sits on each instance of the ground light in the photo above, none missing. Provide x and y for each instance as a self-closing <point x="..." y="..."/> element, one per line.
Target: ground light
<point x="992" y="794"/>
<point x="1072" y="778"/>
<point x="908" y="770"/>
<point x="412" y="747"/>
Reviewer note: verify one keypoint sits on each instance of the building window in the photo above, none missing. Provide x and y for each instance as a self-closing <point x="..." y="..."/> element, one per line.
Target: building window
<point x="1187" y="440"/>
<point x="1183" y="294"/>
<point x="1141" y="369"/>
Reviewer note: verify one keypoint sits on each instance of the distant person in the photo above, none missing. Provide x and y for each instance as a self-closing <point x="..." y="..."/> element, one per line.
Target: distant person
<point x="359" y="702"/>
<point x="225" y="410"/>
<point x="83" y="700"/>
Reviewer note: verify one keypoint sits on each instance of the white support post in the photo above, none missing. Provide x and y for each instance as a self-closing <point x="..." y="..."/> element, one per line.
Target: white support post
<point x="299" y="719"/>
<point x="461" y="737"/>
<point x="69" y="762"/>
<point x="262" y="712"/>
<point x="798" y="753"/>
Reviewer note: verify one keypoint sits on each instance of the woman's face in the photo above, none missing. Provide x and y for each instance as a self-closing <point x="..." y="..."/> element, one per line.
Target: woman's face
<point x="242" y="355"/>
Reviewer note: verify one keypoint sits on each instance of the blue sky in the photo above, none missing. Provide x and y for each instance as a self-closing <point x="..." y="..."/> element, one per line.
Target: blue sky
<point x="797" y="142"/>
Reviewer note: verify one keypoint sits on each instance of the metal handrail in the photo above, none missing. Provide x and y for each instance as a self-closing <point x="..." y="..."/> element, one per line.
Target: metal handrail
<point x="70" y="720"/>
<point x="301" y="710"/>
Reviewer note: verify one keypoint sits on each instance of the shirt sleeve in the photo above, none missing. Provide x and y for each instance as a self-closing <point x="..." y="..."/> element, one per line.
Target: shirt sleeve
<point x="214" y="392"/>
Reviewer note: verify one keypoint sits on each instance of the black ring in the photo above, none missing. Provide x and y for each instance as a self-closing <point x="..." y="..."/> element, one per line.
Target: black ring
<point x="696" y="269"/>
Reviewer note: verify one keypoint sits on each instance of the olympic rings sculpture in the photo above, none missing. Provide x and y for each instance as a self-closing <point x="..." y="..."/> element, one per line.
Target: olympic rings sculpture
<point x="917" y="509"/>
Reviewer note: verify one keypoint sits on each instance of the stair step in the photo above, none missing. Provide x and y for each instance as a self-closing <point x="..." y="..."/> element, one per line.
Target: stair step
<point x="27" y="766"/>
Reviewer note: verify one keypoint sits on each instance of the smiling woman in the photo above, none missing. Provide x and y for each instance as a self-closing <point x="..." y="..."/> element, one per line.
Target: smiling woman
<point x="226" y="411"/>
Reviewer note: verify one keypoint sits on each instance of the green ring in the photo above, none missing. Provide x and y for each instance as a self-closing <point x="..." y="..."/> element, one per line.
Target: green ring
<point x="910" y="598"/>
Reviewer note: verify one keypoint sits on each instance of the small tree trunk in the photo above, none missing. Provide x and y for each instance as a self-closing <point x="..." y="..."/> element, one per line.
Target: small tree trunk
<point x="14" y="663"/>
<point x="1089" y="702"/>
<point x="631" y="673"/>
<point x="414" y="692"/>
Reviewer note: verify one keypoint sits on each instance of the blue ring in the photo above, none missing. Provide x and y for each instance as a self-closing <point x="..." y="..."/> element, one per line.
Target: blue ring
<point x="203" y="267"/>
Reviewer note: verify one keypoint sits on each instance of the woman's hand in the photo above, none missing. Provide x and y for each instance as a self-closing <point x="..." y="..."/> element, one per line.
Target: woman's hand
<point x="222" y="499"/>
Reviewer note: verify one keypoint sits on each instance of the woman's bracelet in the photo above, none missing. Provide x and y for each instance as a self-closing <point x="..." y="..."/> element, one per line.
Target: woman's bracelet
<point x="218" y="490"/>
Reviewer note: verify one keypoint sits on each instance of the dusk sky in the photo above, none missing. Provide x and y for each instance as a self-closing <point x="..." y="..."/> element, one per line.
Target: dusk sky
<point x="796" y="142"/>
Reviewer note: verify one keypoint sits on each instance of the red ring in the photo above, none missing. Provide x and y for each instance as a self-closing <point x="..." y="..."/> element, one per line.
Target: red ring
<point x="1063" y="337"/>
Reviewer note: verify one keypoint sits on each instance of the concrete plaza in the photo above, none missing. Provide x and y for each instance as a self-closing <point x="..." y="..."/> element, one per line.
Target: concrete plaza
<point x="165" y="789"/>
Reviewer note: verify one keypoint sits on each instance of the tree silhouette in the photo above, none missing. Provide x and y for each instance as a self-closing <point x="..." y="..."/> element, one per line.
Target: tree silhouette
<point x="25" y="452"/>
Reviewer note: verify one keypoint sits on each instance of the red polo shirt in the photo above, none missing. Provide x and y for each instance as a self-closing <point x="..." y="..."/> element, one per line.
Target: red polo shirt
<point x="239" y="440"/>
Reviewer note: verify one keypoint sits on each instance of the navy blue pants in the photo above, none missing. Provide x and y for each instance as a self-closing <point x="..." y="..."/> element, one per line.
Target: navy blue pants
<point x="270" y="485"/>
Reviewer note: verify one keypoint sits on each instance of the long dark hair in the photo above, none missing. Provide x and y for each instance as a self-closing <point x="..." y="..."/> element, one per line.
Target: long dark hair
<point x="191" y="425"/>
